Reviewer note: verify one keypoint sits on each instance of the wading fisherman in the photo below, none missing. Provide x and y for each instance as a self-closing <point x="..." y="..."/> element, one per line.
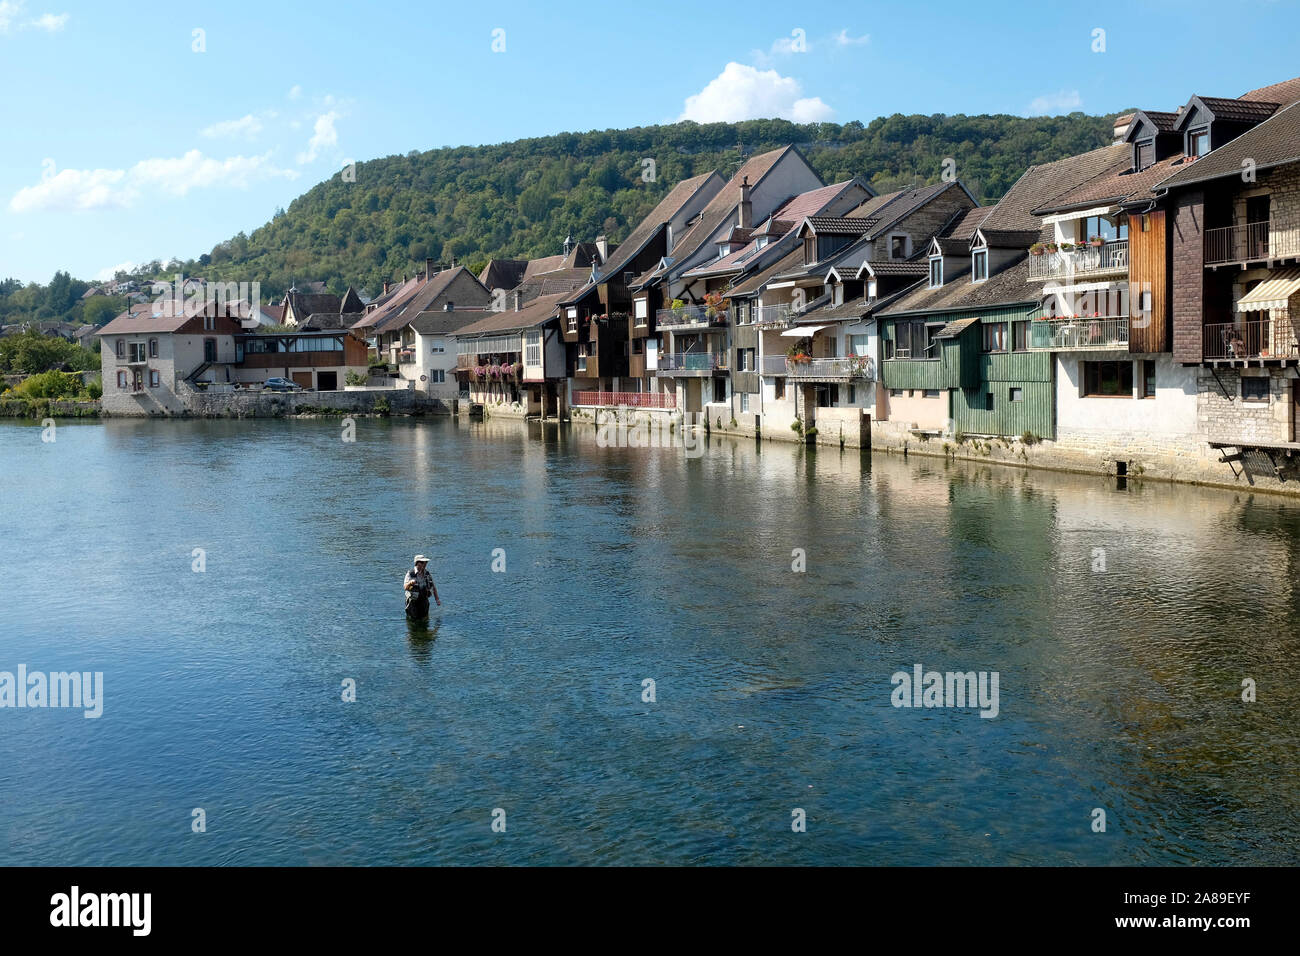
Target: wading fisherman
<point x="419" y="585"/>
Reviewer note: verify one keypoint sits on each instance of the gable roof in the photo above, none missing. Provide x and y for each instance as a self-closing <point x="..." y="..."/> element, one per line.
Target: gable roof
<point x="503" y="273"/>
<point x="166" y="315"/>
<point x="1284" y="93"/>
<point x="1163" y="122"/>
<point x="1274" y="142"/>
<point x="1235" y="111"/>
<point x="1010" y="286"/>
<point x="1039" y="185"/>
<point x="307" y="303"/>
<point x="1117" y="185"/>
<point x="535" y="313"/>
<point x="425" y="293"/>
<point x="446" y="323"/>
<point x="351" y="302"/>
<point x="657" y="219"/>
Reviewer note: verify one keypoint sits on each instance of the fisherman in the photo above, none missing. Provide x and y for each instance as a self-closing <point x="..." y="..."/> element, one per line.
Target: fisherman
<point x="419" y="585"/>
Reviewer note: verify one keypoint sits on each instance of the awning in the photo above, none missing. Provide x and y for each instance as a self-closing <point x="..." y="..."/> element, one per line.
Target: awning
<point x="1063" y="288"/>
<point x="1274" y="293"/>
<point x="803" y="331"/>
<point x="1079" y="214"/>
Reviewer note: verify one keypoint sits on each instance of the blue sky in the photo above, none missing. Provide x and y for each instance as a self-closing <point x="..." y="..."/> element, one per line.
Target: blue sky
<point x="123" y="143"/>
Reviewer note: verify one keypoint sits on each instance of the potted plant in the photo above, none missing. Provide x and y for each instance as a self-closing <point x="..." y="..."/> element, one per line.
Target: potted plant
<point x="1097" y="242"/>
<point x="1036" y="249"/>
<point x="1050" y="248"/>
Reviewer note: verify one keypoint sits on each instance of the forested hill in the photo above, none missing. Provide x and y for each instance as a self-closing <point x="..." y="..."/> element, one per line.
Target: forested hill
<point x="520" y="199"/>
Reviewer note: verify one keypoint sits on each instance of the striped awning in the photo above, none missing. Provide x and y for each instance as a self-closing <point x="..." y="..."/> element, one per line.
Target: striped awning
<point x="1272" y="293"/>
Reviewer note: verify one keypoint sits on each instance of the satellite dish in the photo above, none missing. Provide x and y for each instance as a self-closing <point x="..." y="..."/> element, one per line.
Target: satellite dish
<point x="424" y="378"/>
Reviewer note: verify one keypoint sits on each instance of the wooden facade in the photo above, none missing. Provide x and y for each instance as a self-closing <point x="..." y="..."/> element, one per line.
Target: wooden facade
<point x="1149" y="253"/>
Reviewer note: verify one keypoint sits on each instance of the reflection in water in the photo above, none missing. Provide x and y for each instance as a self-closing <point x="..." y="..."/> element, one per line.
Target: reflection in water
<point x="1122" y="624"/>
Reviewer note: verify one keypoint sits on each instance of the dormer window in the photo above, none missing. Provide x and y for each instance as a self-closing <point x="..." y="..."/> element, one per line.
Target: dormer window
<point x="898" y="247"/>
<point x="1198" y="142"/>
<point x="1144" y="154"/>
<point x="936" y="272"/>
<point x="979" y="265"/>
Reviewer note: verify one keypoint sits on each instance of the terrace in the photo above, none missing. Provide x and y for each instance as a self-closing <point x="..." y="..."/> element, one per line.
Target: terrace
<point x="1055" y="262"/>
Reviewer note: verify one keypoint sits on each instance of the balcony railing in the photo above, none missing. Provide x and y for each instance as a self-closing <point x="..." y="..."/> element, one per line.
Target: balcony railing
<point x="1249" y="242"/>
<point x="774" y="365"/>
<point x="1086" y="333"/>
<point x="405" y="357"/>
<point x="1110" y="257"/>
<point x="1260" y="338"/>
<point x="691" y="317"/>
<point x="832" y="369"/>
<point x="693" y="362"/>
<point x="627" y="399"/>
<point x="773" y="316"/>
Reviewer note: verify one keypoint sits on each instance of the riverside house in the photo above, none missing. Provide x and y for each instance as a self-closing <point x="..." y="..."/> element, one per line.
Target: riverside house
<point x="513" y="362"/>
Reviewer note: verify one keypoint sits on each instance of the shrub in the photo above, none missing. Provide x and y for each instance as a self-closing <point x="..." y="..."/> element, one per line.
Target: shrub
<point x="354" y="378"/>
<point x="1029" y="438"/>
<point x="49" y="385"/>
<point x="381" y="407"/>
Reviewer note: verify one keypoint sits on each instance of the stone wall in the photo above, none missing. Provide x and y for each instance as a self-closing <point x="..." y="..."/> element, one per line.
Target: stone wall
<point x="263" y="404"/>
<point x="1220" y="418"/>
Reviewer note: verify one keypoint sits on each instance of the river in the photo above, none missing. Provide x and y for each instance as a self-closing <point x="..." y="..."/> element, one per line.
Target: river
<point x="232" y="579"/>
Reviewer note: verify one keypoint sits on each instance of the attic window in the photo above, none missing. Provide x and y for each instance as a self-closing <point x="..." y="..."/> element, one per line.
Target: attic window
<point x="1144" y="154"/>
<point x="936" y="272"/>
<point x="1198" y="142"/>
<point x="979" y="265"/>
<point x="898" y="247"/>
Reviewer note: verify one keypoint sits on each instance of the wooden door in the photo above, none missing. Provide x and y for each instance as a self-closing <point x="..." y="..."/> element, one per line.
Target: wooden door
<point x="303" y="379"/>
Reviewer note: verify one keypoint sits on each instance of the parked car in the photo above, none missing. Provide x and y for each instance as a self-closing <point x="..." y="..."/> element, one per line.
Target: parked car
<point x="281" y="385"/>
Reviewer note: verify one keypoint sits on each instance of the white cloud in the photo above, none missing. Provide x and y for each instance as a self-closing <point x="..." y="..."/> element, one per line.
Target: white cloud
<point x="11" y="10"/>
<point x="104" y="275"/>
<point x="295" y="91"/>
<point x="324" y="135"/>
<point x="88" y="189"/>
<point x="246" y="127"/>
<point x="1062" y="101"/>
<point x="742" y="92"/>
<point x="843" y="39"/>
<point x="50" y="22"/>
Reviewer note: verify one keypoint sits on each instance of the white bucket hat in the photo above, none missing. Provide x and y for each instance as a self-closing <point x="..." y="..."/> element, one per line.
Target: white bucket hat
<point x="421" y="559"/>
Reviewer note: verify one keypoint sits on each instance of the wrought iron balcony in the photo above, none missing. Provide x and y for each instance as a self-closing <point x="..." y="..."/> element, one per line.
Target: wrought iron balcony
<point x="1255" y="339"/>
<point x="1249" y="242"/>
<point x="687" y="363"/>
<point x="691" y="318"/>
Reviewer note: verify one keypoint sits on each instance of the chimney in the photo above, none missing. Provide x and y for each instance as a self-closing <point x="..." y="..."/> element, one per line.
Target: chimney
<point x="746" y="207"/>
<point x="385" y="287"/>
<point x="449" y="306"/>
<point x="430" y="270"/>
<point x="519" y="299"/>
<point x="602" y="247"/>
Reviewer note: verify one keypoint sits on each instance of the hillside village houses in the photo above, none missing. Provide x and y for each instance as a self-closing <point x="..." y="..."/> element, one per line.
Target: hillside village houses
<point x="1132" y="309"/>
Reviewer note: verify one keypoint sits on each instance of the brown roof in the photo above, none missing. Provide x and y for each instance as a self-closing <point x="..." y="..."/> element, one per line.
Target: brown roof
<point x="538" y="311"/>
<point x="1239" y="111"/>
<point x="1164" y="122"/>
<point x="899" y="267"/>
<point x="167" y="315"/>
<point x="324" y="321"/>
<point x="446" y="323"/>
<point x="1010" y="286"/>
<point x="402" y="309"/>
<point x="841" y="225"/>
<point x="724" y="203"/>
<point x="1274" y="142"/>
<point x="274" y="311"/>
<point x="756" y="281"/>
<point x="503" y="273"/>
<point x="1039" y="185"/>
<point x="1285" y="93"/>
<point x="657" y="218"/>
<point x="955" y="328"/>
<point x="1116" y="186"/>
<point x="308" y="303"/>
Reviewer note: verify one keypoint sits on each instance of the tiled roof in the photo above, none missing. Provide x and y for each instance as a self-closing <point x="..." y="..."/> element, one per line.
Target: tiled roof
<point x="1117" y="185"/>
<point x="1039" y="185"/>
<point x="1008" y="287"/>
<point x="899" y="267"/>
<point x="166" y="315"/>
<point x="1162" y="121"/>
<point x="756" y="281"/>
<point x="1274" y="142"/>
<point x="274" y="312"/>
<point x="1285" y="93"/>
<point x="394" y="300"/>
<point x="325" y="321"/>
<point x="955" y="328"/>
<point x="841" y="225"/>
<point x="538" y="311"/>
<point x="307" y="303"/>
<point x="905" y="202"/>
<point x="503" y="273"/>
<point x="446" y="323"/>
<point x="1239" y="111"/>
<point x="658" y="217"/>
<point x="544" y="264"/>
<point x="351" y="302"/>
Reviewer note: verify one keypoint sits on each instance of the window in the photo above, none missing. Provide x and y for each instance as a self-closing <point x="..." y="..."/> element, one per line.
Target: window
<point x="1146" y="222"/>
<point x="853" y="395"/>
<point x="137" y="351"/>
<point x="121" y="377"/>
<point x="1020" y="336"/>
<point x="829" y="245"/>
<point x="641" y="310"/>
<point x="744" y="401"/>
<point x="779" y="391"/>
<point x="438" y="349"/>
<point x="1145" y="154"/>
<point x="995" y="336"/>
<point x="533" y="349"/>
<point x="1015" y="394"/>
<point x="895" y="393"/>
<point x="437" y="376"/>
<point x="930" y="393"/>
<point x="1109" y="228"/>
<point x="859" y="345"/>
<point x="979" y="265"/>
<point x="719" y="390"/>
<point x="209" y="350"/>
<point x="988" y="401"/>
<point x="153" y="348"/>
<point x="1149" y="379"/>
<point x="153" y="378"/>
<point x="936" y="271"/>
<point x="913" y="340"/>
<point x="638" y="346"/>
<point x="898" y="247"/>
<point x="1108" y="379"/>
<point x="1198" y="142"/>
<point x="1254" y="388"/>
<point x="121" y="348"/>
